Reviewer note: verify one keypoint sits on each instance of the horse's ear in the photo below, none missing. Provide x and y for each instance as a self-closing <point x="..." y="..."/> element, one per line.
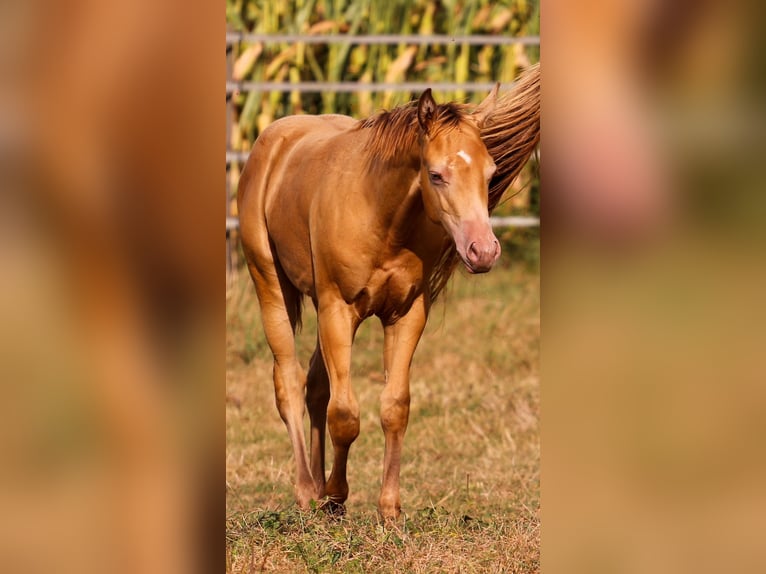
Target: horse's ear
<point x="485" y="108"/>
<point x="426" y="110"/>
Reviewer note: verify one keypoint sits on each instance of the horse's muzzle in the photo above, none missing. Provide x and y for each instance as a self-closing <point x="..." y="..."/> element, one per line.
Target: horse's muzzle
<point x="481" y="255"/>
<point x="475" y="243"/>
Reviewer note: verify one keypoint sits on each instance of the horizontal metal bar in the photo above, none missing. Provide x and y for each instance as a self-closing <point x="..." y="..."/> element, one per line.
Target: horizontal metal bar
<point x="515" y="221"/>
<point x="240" y="156"/>
<point x="232" y="223"/>
<point x="440" y="39"/>
<point x="317" y="87"/>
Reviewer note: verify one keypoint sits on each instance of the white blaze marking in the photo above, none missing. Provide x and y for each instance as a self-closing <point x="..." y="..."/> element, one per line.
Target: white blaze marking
<point x="465" y="156"/>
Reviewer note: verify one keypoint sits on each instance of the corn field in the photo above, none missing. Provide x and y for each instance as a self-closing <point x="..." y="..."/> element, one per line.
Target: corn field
<point x="367" y="63"/>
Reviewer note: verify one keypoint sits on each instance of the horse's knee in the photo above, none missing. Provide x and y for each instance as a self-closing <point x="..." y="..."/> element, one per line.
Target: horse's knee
<point x="343" y="421"/>
<point x="394" y="412"/>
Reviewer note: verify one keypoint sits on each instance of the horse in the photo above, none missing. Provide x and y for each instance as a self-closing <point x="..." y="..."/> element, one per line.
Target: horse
<point x="363" y="217"/>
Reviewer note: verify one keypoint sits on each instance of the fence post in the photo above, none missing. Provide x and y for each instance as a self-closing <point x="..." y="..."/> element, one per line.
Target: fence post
<point x="229" y="114"/>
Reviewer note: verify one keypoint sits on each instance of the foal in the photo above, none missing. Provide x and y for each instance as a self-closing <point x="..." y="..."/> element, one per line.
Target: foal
<point x="363" y="217"/>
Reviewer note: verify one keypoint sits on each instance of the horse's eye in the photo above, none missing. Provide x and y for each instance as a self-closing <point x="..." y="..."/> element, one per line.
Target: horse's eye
<point x="436" y="177"/>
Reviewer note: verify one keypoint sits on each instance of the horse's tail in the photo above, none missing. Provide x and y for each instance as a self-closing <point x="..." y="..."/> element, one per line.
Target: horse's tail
<point x="513" y="132"/>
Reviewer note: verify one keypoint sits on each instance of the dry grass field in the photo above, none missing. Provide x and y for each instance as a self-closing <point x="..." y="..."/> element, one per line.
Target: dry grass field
<point x="470" y="468"/>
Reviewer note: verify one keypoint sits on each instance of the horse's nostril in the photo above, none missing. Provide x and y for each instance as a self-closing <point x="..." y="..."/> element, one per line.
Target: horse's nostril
<point x="473" y="252"/>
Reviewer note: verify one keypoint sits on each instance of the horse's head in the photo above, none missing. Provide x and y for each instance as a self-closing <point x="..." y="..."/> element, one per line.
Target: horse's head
<point x="454" y="176"/>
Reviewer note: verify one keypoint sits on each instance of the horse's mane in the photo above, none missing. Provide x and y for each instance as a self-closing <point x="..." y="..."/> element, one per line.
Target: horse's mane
<point x="510" y="135"/>
<point x="397" y="131"/>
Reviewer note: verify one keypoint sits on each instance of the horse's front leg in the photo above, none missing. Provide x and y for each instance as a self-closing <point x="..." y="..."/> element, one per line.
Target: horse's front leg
<point x="400" y="340"/>
<point x="337" y="325"/>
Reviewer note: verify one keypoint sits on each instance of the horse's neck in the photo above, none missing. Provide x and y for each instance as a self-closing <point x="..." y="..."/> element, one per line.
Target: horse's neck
<point x="407" y="213"/>
<point x="400" y="209"/>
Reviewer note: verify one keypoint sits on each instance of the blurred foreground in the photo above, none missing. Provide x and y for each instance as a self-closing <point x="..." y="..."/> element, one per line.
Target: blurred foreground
<point x="653" y="314"/>
<point x="112" y="422"/>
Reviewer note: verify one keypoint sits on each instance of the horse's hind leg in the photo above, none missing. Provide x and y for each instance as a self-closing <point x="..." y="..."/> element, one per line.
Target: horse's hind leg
<point x="317" y="397"/>
<point x="279" y="302"/>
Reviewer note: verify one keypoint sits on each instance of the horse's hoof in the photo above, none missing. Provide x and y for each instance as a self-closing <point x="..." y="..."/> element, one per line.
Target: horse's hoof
<point x="333" y="508"/>
<point x="390" y="515"/>
<point x="389" y="508"/>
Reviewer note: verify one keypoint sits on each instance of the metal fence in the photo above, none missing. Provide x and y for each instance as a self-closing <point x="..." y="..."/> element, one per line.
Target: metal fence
<point x="232" y="87"/>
